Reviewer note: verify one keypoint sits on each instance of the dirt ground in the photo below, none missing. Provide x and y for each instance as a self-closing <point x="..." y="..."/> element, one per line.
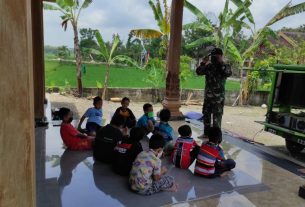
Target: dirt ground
<point x="240" y="120"/>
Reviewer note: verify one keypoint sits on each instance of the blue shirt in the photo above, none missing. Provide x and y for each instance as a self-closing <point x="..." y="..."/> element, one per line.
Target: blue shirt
<point x="143" y="121"/>
<point x="165" y="130"/>
<point x="94" y="115"/>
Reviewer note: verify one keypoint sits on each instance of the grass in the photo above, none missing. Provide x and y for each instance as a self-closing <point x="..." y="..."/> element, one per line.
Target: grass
<point x="57" y="74"/>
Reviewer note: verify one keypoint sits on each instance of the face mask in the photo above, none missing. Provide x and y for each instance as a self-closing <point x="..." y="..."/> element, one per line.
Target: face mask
<point x="70" y="120"/>
<point x="150" y="114"/>
<point x="160" y="154"/>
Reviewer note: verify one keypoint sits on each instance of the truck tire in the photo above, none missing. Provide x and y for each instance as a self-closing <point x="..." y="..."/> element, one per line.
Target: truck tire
<point x="294" y="147"/>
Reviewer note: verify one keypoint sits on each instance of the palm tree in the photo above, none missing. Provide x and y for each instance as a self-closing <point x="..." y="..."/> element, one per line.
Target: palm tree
<point x="163" y="20"/>
<point x="260" y="36"/>
<point x="71" y="10"/>
<point x="108" y="56"/>
<point x="230" y="23"/>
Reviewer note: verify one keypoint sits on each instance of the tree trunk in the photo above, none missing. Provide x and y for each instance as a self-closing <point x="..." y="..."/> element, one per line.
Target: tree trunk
<point x="165" y="46"/>
<point x="78" y="60"/>
<point x="106" y="81"/>
<point x="244" y="87"/>
<point x="241" y="85"/>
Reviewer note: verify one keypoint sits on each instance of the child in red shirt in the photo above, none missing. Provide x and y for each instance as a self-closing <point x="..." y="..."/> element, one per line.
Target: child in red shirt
<point x="186" y="149"/>
<point x="72" y="138"/>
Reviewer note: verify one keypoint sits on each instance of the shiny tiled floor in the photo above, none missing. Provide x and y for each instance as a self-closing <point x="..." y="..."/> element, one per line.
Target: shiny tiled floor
<point x="73" y="179"/>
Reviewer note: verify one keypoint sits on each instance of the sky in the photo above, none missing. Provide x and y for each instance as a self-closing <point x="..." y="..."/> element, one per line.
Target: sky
<point x="121" y="16"/>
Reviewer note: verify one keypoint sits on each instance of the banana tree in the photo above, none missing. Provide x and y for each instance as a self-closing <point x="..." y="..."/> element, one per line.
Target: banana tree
<point x="109" y="58"/>
<point x="162" y="16"/>
<point x="230" y="23"/>
<point x="259" y="38"/>
<point x="261" y="35"/>
<point x="71" y="10"/>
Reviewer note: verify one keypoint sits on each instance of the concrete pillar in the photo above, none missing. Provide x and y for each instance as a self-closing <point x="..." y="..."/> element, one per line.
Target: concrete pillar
<point x="38" y="59"/>
<point x="172" y="96"/>
<point x="17" y="146"/>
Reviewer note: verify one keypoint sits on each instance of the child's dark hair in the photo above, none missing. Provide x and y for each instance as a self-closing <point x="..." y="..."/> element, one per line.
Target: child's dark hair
<point x="96" y="100"/>
<point x="125" y="99"/>
<point x="165" y="115"/>
<point x="156" y="141"/>
<point x="146" y="106"/>
<point x="136" y="134"/>
<point x="215" y="135"/>
<point x="185" y="130"/>
<point x="117" y="120"/>
<point x="63" y="112"/>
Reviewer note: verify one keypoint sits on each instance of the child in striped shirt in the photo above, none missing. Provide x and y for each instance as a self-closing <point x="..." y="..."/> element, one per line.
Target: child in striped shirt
<point x="211" y="161"/>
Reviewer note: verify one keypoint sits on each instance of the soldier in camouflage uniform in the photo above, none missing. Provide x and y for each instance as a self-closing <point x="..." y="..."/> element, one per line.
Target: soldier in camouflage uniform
<point x="216" y="73"/>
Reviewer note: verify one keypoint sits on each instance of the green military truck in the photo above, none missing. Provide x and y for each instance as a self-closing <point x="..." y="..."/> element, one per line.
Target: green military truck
<point x="286" y="107"/>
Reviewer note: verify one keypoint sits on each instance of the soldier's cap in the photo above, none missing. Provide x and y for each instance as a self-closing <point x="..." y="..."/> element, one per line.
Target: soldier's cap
<point x="216" y="51"/>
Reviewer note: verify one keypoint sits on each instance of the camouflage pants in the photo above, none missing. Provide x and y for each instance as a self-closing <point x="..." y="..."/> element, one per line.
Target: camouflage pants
<point x="212" y="111"/>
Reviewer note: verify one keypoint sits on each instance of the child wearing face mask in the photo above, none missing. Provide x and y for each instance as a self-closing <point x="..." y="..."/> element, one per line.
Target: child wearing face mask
<point x="147" y="121"/>
<point x="72" y="138"/>
<point x="147" y="177"/>
<point x="124" y="111"/>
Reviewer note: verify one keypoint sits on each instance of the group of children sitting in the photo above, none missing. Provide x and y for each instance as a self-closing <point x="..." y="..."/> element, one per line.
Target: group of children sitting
<point x="118" y="143"/>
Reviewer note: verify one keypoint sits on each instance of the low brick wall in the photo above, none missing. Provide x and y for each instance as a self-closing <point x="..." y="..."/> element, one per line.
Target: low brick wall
<point x="152" y="95"/>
